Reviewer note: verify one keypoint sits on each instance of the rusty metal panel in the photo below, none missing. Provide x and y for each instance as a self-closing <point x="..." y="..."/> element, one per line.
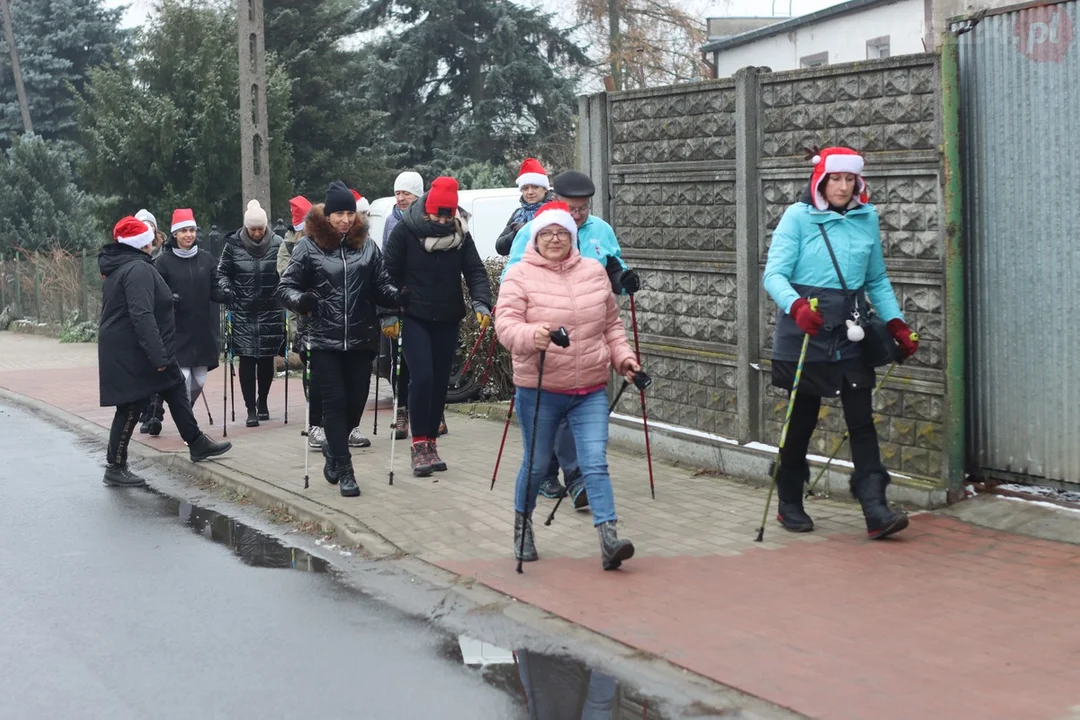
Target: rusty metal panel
<point x="1020" y="95"/>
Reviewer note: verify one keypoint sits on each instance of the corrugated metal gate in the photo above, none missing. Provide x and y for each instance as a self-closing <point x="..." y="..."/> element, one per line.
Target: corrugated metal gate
<point x="1020" y="95"/>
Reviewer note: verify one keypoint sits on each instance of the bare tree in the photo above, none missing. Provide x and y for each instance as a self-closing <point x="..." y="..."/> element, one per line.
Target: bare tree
<point x="647" y="42"/>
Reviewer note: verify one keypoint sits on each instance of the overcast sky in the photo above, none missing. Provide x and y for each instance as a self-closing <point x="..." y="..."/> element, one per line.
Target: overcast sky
<point x="138" y="9"/>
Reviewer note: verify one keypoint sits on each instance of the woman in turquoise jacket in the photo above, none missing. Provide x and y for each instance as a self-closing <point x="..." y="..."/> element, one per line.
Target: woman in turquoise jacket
<point x="836" y="205"/>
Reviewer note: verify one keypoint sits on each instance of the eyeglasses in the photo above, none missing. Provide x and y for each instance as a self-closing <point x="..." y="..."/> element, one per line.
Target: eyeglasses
<point x="579" y="209"/>
<point x="548" y="235"/>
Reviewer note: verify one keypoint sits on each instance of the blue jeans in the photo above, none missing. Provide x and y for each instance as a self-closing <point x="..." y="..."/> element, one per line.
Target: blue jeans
<point x="565" y="455"/>
<point x="587" y="417"/>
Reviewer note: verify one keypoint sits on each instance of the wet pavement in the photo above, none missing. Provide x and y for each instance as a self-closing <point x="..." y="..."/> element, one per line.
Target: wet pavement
<point x="116" y="605"/>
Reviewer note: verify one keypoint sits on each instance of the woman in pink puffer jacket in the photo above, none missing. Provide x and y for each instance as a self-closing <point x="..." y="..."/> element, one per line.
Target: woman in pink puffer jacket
<point x="553" y="287"/>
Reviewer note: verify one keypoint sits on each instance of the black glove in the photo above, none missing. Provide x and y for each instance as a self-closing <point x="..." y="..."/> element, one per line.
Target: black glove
<point x="309" y="303"/>
<point x="175" y="299"/>
<point x="630" y="281"/>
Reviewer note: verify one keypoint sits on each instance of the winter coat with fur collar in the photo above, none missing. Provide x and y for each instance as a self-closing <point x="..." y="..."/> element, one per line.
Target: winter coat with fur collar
<point x="347" y="275"/>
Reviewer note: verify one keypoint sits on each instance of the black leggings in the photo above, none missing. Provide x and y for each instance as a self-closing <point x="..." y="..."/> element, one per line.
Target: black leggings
<point x="251" y="367"/>
<point x="312" y="392"/>
<point x="429" y="348"/>
<point x="127" y="415"/>
<point x="859" y="415"/>
<point x="344" y="379"/>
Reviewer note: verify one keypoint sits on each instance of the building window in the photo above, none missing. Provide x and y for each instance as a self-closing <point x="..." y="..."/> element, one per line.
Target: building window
<point x="815" y="60"/>
<point x="877" y="48"/>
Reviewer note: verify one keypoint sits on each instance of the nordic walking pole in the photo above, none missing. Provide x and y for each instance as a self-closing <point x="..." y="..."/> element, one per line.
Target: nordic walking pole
<point x="532" y="454"/>
<point x="286" y="366"/>
<point x="378" y="376"/>
<point x="787" y="421"/>
<point x="644" y="414"/>
<point x="307" y="413"/>
<point x="506" y="428"/>
<point x="397" y="397"/>
<point x="224" y="381"/>
<point x="207" y="406"/>
<point x="847" y="436"/>
<point x="232" y="370"/>
<point x="642" y="381"/>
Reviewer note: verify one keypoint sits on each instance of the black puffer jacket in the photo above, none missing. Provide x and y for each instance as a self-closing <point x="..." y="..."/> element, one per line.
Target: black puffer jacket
<point x="136" y="335"/>
<point x="258" y="324"/>
<point x="349" y="280"/>
<point x="433" y="279"/>
<point x="194" y="281"/>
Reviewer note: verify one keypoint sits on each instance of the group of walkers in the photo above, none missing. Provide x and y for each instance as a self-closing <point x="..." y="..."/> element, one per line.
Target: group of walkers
<point x="350" y="303"/>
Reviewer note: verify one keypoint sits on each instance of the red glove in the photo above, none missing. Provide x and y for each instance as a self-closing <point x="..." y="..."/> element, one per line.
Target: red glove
<point x="905" y="337"/>
<point x="807" y="318"/>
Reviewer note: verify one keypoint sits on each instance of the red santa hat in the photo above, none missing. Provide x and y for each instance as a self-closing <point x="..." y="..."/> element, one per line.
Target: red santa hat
<point x="837" y="160"/>
<point x="182" y="218"/>
<point x="553" y="213"/>
<point x="135" y="233"/>
<point x="299" y="206"/>
<point x="532" y="173"/>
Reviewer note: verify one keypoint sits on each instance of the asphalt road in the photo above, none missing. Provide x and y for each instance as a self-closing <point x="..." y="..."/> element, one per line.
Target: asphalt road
<point x="115" y="605"/>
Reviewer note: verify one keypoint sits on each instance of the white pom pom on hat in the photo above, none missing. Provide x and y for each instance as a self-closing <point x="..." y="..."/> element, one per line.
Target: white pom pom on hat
<point x="255" y="217"/>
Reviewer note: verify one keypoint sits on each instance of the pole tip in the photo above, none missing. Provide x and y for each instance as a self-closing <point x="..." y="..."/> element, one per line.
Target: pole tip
<point x="391" y="477"/>
<point x="760" y="534"/>
<point x="519" y="569"/>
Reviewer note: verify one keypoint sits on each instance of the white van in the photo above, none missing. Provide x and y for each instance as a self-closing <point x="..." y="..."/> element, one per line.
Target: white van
<point x="490" y="210"/>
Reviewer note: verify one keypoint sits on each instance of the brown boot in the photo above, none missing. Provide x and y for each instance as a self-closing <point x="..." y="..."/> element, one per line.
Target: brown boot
<point x="401" y="424"/>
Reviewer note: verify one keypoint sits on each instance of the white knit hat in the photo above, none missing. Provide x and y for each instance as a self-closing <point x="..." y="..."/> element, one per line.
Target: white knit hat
<point x="255" y="217"/>
<point x="553" y="213"/>
<point x="147" y="217"/>
<point x="363" y="205"/>
<point x="411" y="182"/>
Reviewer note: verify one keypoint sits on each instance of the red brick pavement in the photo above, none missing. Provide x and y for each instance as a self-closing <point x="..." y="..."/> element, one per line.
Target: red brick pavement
<point x="947" y="621"/>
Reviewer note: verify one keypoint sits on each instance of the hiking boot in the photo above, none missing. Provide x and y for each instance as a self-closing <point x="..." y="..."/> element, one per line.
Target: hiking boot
<point x="153" y="426"/>
<point x="263" y="412"/>
<point x="252" y="418"/>
<point x="443" y="430"/>
<point x="401" y="425"/>
<point x="357" y="439"/>
<point x="437" y="463"/>
<point x="421" y="459"/>
<point x="347" y="479"/>
<point x="575" y="486"/>
<point x="613" y="551"/>
<point x="120" y="476"/>
<point x="869" y="488"/>
<point x="334" y="468"/>
<point x="551" y="488"/>
<point x="523" y="525"/>
<point x="204" y="448"/>
<point x="790" y="482"/>
<point x="316" y="437"/>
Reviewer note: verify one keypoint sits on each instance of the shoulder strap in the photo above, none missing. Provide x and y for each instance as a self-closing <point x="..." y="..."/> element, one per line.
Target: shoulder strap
<point x="832" y="255"/>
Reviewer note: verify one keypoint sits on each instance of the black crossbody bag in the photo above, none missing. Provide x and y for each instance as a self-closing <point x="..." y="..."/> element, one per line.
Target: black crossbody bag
<point x="878" y="346"/>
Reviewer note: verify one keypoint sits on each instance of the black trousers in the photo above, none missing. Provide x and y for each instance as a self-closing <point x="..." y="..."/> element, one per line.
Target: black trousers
<point x="344" y="379"/>
<point x="311" y="391"/>
<point x="859" y="415"/>
<point x="429" y="348"/>
<point x="127" y="415"/>
<point x="252" y="369"/>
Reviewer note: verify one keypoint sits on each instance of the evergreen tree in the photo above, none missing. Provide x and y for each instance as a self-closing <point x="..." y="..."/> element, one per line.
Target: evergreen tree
<point x="165" y="133"/>
<point x="476" y="81"/>
<point x="59" y="43"/>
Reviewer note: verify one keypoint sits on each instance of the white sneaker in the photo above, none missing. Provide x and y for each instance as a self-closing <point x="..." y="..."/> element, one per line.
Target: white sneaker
<point x="316" y="437"/>
<point x="357" y="439"/>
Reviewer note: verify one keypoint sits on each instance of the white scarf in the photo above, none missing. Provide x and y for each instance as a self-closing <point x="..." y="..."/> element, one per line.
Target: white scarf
<point x="189" y="253"/>
<point x="448" y="242"/>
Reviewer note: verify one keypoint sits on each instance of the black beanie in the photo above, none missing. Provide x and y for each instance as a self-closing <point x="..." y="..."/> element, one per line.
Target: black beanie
<point x="338" y="198"/>
<point x="573" y="184"/>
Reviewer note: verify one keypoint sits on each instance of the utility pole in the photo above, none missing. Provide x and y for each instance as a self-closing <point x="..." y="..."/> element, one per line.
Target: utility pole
<point x="20" y="90"/>
<point x="254" y="127"/>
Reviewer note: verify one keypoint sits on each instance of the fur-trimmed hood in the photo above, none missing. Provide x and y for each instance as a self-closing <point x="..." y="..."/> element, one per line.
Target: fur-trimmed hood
<point x="318" y="228"/>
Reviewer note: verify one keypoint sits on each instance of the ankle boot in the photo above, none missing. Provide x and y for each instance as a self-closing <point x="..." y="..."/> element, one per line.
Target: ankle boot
<point x="252" y="418"/>
<point x="121" y="476"/>
<point x="790" y="481"/>
<point x="869" y="488"/>
<point x="263" y="412"/>
<point x="437" y="463"/>
<point x="333" y="468"/>
<point x="423" y="464"/>
<point x="347" y="479"/>
<point x="613" y="550"/>
<point x="523" y="526"/>
<point x="401" y="424"/>
<point x="204" y="448"/>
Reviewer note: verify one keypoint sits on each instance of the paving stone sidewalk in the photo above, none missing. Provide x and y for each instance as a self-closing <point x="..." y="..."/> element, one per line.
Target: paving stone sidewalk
<point x="947" y="621"/>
